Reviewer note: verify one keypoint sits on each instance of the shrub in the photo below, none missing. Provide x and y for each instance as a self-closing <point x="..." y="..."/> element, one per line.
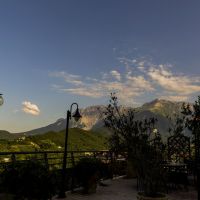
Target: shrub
<point x="88" y="172"/>
<point x="29" y="180"/>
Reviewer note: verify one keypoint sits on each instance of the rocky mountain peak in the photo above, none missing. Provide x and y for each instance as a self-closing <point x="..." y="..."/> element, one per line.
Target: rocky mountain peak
<point x="92" y="116"/>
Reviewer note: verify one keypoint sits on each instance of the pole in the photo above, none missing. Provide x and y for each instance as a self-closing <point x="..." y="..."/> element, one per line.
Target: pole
<point x="62" y="187"/>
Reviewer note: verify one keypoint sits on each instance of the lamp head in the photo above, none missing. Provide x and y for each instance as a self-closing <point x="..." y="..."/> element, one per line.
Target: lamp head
<point x="1" y="99"/>
<point x="77" y="115"/>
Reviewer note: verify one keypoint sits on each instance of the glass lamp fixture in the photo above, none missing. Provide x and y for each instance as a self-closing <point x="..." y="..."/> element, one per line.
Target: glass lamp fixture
<point x="77" y="115"/>
<point x="1" y="99"/>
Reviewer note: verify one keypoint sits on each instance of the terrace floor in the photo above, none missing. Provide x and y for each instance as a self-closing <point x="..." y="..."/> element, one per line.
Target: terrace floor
<point x="125" y="189"/>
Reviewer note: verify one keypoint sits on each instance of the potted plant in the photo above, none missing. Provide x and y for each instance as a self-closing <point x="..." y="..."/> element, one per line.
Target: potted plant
<point x="88" y="173"/>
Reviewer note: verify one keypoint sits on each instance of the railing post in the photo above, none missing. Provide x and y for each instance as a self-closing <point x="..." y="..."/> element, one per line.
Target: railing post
<point x="13" y="158"/>
<point x="72" y="159"/>
<point x="73" y="165"/>
<point x="46" y="160"/>
<point x="111" y="163"/>
<point x="94" y="154"/>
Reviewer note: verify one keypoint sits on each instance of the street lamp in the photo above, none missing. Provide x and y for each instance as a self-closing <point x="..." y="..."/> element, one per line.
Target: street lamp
<point x="1" y="99"/>
<point x="76" y="116"/>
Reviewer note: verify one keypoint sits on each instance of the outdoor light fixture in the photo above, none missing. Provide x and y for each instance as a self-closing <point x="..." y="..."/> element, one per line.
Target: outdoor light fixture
<point x="76" y="117"/>
<point x="1" y="99"/>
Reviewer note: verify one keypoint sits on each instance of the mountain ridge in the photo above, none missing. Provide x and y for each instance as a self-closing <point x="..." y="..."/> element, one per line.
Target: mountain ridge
<point x="92" y="117"/>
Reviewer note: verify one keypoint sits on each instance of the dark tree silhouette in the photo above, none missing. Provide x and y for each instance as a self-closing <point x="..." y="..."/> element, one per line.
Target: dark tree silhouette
<point x="134" y="137"/>
<point x="192" y="113"/>
<point x="127" y="131"/>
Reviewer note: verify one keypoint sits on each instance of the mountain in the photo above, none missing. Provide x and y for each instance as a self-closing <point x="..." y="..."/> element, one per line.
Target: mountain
<point x="59" y="125"/>
<point x="163" y="107"/>
<point x="92" y="117"/>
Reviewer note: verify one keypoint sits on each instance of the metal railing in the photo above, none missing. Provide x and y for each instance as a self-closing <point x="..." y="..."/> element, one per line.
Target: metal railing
<point x="53" y="159"/>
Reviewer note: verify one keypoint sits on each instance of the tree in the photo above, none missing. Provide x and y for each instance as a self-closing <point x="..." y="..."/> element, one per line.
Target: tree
<point x="192" y="113"/>
<point x="134" y="137"/>
<point x="127" y="131"/>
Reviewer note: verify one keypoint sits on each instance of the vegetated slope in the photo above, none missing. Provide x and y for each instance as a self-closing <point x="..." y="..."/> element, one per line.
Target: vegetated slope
<point x="78" y="140"/>
<point x="5" y="135"/>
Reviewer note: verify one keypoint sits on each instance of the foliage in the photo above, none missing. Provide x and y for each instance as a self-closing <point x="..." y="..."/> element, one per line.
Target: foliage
<point x="29" y="180"/>
<point x="127" y="131"/>
<point x="178" y="125"/>
<point x="135" y="137"/>
<point x="88" y="171"/>
<point x="193" y="115"/>
<point x="192" y="122"/>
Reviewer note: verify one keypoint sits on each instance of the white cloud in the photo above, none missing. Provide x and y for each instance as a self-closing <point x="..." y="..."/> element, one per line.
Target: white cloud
<point x="89" y="92"/>
<point x="175" y="98"/>
<point x="179" y="84"/>
<point x="30" y="108"/>
<point x="116" y="74"/>
<point x="140" y="77"/>
<point x="125" y="85"/>
<point x="69" y="78"/>
<point x="140" y="82"/>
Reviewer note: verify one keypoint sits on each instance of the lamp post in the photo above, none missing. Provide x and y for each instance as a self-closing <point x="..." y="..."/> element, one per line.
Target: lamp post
<point x="76" y="116"/>
<point x="1" y="99"/>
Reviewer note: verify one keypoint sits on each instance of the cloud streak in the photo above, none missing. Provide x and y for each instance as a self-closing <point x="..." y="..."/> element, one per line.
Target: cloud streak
<point x="137" y="78"/>
<point x="179" y="84"/>
<point x="127" y="86"/>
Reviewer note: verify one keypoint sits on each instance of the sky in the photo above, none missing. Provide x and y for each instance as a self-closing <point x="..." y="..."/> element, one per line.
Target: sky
<point x="54" y="53"/>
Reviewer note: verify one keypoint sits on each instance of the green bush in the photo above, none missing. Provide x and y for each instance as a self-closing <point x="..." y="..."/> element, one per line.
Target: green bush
<point x="29" y="180"/>
<point x="88" y="172"/>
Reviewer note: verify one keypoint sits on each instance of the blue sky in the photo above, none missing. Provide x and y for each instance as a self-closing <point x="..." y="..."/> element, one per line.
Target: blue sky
<point x="53" y="53"/>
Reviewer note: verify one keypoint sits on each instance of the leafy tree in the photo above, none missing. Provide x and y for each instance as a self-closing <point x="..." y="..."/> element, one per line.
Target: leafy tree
<point x="134" y="137"/>
<point x="127" y="131"/>
<point x="192" y="122"/>
<point x="192" y="114"/>
<point x="178" y="125"/>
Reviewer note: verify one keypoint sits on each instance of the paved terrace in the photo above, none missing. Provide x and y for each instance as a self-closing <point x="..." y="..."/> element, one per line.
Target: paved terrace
<point x="125" y="189"/>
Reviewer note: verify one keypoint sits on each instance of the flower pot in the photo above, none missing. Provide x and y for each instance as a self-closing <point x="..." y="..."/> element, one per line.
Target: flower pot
<point x="91" y="185"/>
<point x="130" y="170"/>
<point x="141" y="196"/>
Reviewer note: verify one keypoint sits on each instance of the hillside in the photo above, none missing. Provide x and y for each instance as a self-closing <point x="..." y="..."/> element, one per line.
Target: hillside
<point x="78" y="140"/>
<point x="5" y="135"/>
